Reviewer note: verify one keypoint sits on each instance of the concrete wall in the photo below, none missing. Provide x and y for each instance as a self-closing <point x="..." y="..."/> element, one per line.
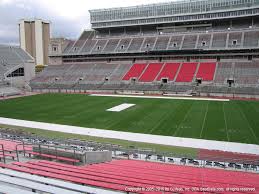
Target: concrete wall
<point x="29" y="71"/>
<point x="91" y="157"/>
<point x="98" y="157"/>
<point x="55" y="60"/>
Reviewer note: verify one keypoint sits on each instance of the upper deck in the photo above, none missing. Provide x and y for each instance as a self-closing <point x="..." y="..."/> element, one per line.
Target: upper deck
<point x="180" y="11"/>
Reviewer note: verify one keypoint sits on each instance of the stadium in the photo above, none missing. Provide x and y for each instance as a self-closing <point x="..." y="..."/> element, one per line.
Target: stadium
<point x="156" y="98"/>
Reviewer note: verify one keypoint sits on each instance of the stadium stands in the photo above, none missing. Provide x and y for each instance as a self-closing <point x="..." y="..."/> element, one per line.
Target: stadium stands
<point x="119" y="174"/>
<point x="208" y="41"/>
<point x="148" y="43"/>
<point x="11" y="146"/>
<point x="189" y="42"/>
<point x="111" y="45"/>
<point x="204" y="41"/>
<point x="89" y="44"/>
<point x="151" y="72"/>
<point x="123" y="45"/>
<point x="135" y="71"/>
<point x="99" y="46"/>
<point x="229" y="157"/>
<point x="219" y="40"/>
<point x="206" y="71"/>
<point x="135" y="44"/>
<point x="110" y="76"/>
<point x="169" y="71"/>
<point x="162" y="43"/>
<point x="186" y="73"/>
<point x="246" y="73"/>
<point x="209" y="47"/>
<point x="224" y="72"/>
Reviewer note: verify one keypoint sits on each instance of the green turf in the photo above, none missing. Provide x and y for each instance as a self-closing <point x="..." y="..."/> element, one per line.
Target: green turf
<point x="235" y="121"/>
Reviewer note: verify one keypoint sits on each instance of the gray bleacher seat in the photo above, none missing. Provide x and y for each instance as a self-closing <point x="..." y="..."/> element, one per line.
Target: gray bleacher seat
<point x="189" y="41"/>
<point x="135" y="44"/>
<point x="219" y="40"/>
<point x="161" y="43"/>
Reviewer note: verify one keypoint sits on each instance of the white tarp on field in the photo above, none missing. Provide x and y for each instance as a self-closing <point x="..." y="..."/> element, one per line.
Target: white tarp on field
<point x="146" y="138"/>
<point x="120" y="107"/>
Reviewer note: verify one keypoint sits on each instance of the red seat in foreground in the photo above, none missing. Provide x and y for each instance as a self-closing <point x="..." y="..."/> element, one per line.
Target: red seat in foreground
<point x="122" y="174"/>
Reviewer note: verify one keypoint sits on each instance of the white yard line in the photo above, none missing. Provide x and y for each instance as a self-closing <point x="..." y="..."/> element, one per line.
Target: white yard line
<point x="204" y="120"/>
<point x="162" y="97"/>
<point x="146" y="138"/>
<point x="120" y="107"/>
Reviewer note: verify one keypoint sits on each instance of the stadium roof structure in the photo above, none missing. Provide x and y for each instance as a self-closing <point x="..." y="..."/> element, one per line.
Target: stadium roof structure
<point x="100" y="17"/>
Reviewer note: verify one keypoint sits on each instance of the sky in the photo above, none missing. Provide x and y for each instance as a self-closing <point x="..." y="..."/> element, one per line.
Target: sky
<point x="68" y="17"/>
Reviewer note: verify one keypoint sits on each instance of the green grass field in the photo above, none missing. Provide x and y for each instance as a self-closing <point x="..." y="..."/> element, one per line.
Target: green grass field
<point x="235" y="121"/>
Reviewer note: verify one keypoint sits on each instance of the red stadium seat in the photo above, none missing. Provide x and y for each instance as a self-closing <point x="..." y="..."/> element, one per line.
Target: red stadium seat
<point x="151" y="72"/>
<point x="169" y="71"/>
<point x="206" y="71"/>
<point x="54" y="157"/>
<point x="187" y="72"/>
<point x="120" y="174"/>
<point x="135" y="71"/>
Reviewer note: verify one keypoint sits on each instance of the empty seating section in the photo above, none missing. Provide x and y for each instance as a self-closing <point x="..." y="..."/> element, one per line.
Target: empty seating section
<point x="80" y="42"/>
<point x="235" y="39"/>
<point x="77" y="46"/>
<point x="186" y="73"/>
<point x="246" y="73"/>
<point x="169" y="71"/>
<point x="206" y="71"/>
<point x="148" y="44"/>
<point x="111" y="45"/>
<point x="88" y="46"/>
<point x="99" y="46"/>
<point x="189" y="42"/>
<point x="151" y="72"/>
<point x="22" y="53"/>
<point x="120" y="71"/>
<point x="251" y="39"/>
<point x="69" y="75"/>
<point x="100" y="72"/>
<point x="135" y="71"/>
<point x="11" y="55"/>
<point x="175" y="43"/>
<point x="69" y="46"/>
<point x="224" y="72"/>
<point x="162" y="42"/>
<point x="53" y="157"/>
<point x="135" y="44"/>
<point x="50" y="73"/>
<point x="230" y="157"/>
<point x="219" y="40"/>
<point x="120" y="174"/>
<point x="204" y="41"/>
<point x="11" y="146"/>
<point x="88" y="42"/>
<point x="123" y="45"/>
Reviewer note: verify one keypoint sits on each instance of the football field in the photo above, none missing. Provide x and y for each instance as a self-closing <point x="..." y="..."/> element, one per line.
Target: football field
<point x="235" y="121"/>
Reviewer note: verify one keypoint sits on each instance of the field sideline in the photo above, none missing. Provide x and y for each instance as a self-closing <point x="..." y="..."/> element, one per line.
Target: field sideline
<point x="234" y="121"/>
